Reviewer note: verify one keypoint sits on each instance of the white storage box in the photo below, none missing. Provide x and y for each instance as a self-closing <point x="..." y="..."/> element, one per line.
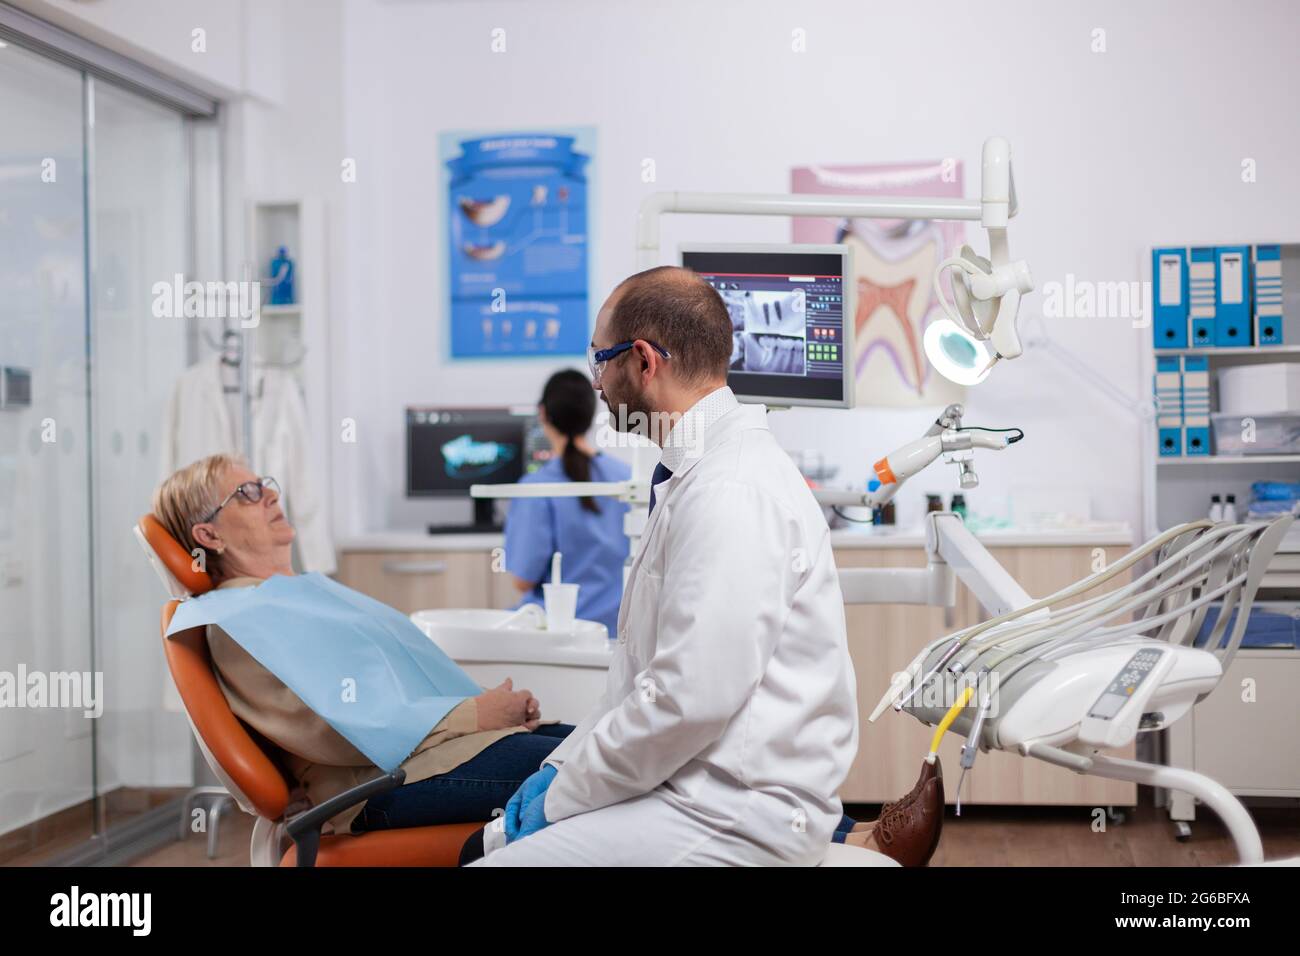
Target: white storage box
<point x="1271" y="434"/>
<point x="1260" y="389"/>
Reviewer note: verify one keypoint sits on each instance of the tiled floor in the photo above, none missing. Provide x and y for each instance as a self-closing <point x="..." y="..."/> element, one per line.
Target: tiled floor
<point x="980" y="837"/>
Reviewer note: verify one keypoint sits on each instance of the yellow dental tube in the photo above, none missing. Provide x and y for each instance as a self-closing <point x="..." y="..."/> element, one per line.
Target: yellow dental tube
<point x="948" y="718"/>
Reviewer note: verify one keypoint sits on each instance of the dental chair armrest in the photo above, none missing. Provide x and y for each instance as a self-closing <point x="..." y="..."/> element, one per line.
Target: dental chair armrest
<point x="304" y="829"/>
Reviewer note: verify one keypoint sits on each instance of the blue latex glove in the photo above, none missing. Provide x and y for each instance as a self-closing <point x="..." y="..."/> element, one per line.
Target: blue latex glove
<point x="525" y="797"/>
<point x="533" y="818"/>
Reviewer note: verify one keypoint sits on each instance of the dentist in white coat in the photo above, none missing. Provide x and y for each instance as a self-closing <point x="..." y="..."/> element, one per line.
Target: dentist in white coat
<point x="729" y="717"/>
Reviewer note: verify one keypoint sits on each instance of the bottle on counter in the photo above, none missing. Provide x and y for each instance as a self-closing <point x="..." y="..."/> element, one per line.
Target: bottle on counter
<point x="1216" y="508"/>
<point x="877" y="513"/>
<point x="1230" y="509"/>
<point x="887" y="514"/>
<point x="933" y="503"/>
<point x="959" y="505"/>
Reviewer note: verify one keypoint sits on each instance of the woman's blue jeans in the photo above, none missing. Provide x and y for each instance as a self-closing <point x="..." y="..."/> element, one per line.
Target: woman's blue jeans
<point x="470" y="792"/>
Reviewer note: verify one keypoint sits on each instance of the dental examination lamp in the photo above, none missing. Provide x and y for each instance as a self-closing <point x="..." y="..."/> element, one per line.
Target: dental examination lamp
<point x="981" y="323"/>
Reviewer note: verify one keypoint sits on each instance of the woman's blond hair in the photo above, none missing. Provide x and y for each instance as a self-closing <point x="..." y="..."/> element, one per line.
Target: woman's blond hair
<point x="187" y="497"/>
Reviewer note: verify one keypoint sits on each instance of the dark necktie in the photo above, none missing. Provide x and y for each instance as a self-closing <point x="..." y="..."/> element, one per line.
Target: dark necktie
<point x="661" y="474"/>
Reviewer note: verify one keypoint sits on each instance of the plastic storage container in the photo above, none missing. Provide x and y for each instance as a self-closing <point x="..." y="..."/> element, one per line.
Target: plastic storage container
<point x="1260" y="389"/>
<point x="1271" y="434"/>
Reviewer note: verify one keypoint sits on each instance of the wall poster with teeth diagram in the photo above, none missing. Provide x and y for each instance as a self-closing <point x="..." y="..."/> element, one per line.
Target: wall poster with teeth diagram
<point x="894" y="260"/>
<point x="518" y="241"/>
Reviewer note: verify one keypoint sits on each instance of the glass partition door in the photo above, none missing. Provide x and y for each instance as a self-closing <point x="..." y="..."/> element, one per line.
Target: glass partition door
<point x="95" y="218"/>
<point x="138" y="162"/>
<point x="46" y="757"/>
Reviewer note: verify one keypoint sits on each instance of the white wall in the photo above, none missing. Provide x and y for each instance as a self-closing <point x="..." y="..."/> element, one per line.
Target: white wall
<point x="1114" y="151"/>
<point x="161" y="35"/>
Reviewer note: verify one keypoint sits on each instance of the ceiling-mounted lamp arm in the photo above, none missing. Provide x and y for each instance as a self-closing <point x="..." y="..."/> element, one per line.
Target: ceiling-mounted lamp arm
<point x="997" y="188"/>
<point x="980" y="328"/>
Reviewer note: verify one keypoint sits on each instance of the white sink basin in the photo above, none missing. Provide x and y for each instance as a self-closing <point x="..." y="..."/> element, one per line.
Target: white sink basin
<point x="476" y="634"/>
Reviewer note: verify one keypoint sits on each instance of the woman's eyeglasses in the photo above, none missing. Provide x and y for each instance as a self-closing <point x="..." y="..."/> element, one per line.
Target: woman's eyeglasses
<point x="250" y="491"/>
<point x="597" y="359"/>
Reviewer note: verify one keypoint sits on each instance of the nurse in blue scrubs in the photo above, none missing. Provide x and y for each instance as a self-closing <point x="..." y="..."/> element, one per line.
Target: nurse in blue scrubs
<point x="587" y="531"/>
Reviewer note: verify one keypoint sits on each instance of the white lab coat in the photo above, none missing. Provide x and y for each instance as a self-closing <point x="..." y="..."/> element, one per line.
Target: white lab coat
<point x="729" y="718"/>
<point x="197" y="423"/>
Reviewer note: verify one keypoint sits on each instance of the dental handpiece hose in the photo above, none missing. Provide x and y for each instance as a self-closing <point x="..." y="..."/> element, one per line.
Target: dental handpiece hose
<point x="906" y="461"/>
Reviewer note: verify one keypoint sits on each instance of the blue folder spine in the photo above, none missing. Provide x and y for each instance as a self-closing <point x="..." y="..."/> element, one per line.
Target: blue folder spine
<point x="1232" y="296"/>
<point x="1169" y="406"/>
<point x="1196" y="405"/>
<point x="1169" y="277"/>
<point x="1202" y="281"/>
<point x="1268" y="295"/>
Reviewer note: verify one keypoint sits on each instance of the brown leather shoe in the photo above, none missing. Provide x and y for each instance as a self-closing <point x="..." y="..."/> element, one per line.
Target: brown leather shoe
<point x="908" y="829"/>
<point x="907" y="798"/>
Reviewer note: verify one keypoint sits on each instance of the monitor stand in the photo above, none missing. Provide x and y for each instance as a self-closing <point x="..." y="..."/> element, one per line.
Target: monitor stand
<point x="484" y="521"/>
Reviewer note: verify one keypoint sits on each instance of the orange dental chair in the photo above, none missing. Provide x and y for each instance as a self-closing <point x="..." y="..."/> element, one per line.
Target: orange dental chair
<point x="249" y="773"/>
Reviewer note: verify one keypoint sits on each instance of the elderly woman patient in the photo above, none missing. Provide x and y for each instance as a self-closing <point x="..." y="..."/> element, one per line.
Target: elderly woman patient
<point x="468" y="765"/>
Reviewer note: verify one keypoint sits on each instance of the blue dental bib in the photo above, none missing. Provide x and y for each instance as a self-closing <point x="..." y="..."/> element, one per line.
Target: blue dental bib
<point x="367" y="671"/>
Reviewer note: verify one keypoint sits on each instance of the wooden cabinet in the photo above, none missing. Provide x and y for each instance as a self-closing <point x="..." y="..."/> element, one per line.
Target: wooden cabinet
<point x="883" y="639"/>
<point x="416" y="580"/>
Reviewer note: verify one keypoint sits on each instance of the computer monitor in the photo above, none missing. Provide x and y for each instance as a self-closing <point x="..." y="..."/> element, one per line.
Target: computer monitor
<point x="450" y="449"/>
<point x="791" y="341"/>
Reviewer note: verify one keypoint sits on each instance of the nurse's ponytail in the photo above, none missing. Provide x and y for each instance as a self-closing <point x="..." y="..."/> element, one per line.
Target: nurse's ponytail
<point x="570" y="405"/>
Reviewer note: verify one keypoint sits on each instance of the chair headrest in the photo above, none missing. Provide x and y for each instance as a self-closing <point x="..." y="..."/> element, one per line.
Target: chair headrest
<point x="172" y="562"/>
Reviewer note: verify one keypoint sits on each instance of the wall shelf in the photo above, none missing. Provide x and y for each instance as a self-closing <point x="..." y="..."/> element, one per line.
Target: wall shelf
<point x="1254" y="351"/>
<point x="1177" y="488"/>
<point x="1229" y="460"/>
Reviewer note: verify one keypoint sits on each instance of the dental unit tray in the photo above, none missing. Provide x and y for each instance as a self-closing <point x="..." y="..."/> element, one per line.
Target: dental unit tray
<point x="1063" y="679"/>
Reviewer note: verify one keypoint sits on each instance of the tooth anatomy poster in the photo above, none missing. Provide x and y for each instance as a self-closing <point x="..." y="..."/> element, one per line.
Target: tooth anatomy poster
<point x="894" y="262"/>
<point x="518" y="237"/>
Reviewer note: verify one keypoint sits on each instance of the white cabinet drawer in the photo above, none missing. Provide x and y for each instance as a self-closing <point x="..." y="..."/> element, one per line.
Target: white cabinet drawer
<point x="1244" y="734"/>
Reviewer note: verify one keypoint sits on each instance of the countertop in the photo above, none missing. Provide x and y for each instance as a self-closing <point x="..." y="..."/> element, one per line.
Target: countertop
<point x="1101" y="536"/>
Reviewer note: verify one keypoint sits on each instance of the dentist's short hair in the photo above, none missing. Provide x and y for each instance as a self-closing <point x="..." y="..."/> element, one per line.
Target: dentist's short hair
<point x="185" y="498"/>
<point x="676" y="309"/>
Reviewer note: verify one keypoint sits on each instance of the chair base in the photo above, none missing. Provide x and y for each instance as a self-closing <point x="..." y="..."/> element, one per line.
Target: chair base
<point x="218" y="801"/>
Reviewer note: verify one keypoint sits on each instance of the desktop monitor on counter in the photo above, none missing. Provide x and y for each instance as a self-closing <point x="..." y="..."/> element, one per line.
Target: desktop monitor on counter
<point x="791" y="312"/>
<point x="450" y="449"/>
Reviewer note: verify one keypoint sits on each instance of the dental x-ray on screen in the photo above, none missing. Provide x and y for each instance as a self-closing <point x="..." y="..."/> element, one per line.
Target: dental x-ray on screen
<point x="790" y="343"/>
